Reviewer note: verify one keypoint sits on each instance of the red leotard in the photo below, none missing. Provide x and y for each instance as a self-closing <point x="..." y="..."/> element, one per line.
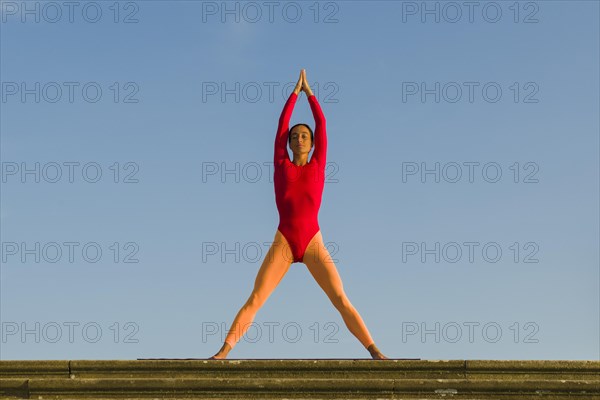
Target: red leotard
<point x="298" y="189"/>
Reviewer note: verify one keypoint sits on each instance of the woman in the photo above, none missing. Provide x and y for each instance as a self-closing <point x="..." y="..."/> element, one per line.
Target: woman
<point x="298" y="191"/>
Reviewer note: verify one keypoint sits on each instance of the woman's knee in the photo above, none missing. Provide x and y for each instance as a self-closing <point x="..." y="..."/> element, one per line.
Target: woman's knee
<point x="255" y="301"/>
<point x="340" y="301"/>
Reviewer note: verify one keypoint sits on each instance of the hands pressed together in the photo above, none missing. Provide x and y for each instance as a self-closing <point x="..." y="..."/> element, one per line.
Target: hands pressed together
<point x="303" y="85"/>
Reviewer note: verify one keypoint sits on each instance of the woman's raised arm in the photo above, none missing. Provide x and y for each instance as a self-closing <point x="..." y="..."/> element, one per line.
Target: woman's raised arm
<point x="320" y="151"/>
<point x="284" y="125"/>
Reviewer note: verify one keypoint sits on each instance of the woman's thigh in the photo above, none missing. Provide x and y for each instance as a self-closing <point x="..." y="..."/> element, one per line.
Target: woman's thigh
<point x="323" y="269"/>
<point x="274" y="267"/>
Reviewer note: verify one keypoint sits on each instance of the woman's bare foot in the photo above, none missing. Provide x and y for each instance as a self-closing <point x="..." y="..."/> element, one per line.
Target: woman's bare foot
<point x="375" y="353"/>
<point x="222" y="353"/>
<point x="378" y="356"/>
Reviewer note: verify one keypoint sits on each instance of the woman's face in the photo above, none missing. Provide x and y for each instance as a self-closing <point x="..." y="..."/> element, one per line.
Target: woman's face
<point x="300" y="139"/>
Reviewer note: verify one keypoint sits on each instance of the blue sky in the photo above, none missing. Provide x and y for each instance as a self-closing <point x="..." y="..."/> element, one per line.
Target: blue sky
<point x="170" y="102"/>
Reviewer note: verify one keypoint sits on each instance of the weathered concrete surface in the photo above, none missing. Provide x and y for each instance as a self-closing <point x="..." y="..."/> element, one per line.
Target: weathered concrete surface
<point x="300" y="379"/>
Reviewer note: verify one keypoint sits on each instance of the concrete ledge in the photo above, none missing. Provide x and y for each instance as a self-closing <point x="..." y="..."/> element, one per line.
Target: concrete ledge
<point x="308" y="379"/>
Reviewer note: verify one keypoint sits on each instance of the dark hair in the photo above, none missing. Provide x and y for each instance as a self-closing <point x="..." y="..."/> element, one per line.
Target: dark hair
<point x="307" y="127"/>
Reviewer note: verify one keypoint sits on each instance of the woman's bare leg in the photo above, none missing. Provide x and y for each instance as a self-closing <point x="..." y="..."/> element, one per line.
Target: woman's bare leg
<point x="323" y="269"/>
<point x="274" y="267"/>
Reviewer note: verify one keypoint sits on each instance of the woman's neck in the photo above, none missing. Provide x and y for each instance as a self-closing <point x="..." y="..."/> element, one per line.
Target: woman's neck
<point x="300" y="160"/>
